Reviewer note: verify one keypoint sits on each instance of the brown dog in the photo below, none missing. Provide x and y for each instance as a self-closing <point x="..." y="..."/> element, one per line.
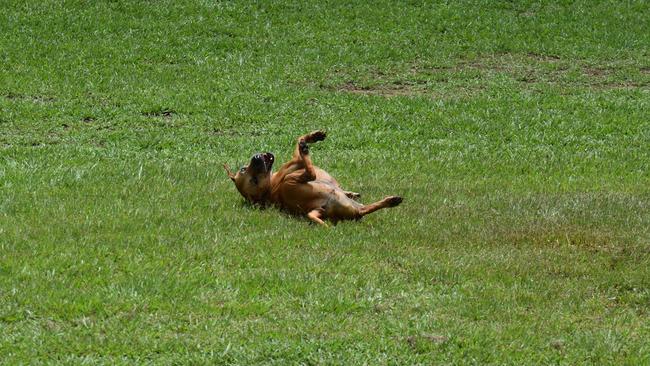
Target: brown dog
<point x="302" y="188"/>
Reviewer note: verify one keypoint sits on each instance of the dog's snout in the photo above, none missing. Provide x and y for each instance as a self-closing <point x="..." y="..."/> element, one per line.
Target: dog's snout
<point x="262" y="162"/>
<point x="259" y="163"/>
<point x="269" y="157"/>
<point x="257" y="159"/>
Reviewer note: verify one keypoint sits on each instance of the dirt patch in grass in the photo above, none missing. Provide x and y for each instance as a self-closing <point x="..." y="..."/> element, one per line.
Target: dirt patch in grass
<point x="164" y="113"/>
<point x="404" y="87"/>
<point x="466" y="77"/>
<point x="40" y="99"/>
<point x="543" y="58"/>
<point x="425" y="342"/>
<point x="558" y="234"/>
<point x="595" y="71"/>
<point x="232" y="132"/>
<point x="384" y="90"/>
<point x="35" y="143"/>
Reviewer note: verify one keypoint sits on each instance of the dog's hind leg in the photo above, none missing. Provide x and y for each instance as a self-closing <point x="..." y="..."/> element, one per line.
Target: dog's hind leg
<point x="390" y="201"/>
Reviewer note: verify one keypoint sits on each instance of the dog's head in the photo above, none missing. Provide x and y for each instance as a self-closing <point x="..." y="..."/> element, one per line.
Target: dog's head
<point x="253" y="181"/>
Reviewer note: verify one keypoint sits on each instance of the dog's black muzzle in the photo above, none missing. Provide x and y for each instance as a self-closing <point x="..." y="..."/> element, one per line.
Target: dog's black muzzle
<point x="262" y="162"/>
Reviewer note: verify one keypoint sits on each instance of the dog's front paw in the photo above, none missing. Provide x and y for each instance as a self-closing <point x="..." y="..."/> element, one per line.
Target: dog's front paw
<point x="304" y="148"/>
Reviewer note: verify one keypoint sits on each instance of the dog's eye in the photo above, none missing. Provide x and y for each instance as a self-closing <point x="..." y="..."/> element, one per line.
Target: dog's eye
<point x="243" y="169"/>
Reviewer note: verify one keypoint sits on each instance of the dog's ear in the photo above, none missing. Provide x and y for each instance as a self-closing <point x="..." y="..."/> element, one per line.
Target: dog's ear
<point x="230" y="175"/>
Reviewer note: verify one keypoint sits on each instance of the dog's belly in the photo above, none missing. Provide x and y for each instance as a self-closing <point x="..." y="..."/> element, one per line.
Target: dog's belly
<point x="318" y="194"/>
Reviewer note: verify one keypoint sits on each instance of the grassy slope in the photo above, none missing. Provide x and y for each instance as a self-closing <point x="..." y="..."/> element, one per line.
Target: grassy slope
<point x="518" y="134"/>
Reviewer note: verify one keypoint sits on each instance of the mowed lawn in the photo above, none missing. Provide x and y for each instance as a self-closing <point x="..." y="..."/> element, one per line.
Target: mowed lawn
<point x="518" y="133"/>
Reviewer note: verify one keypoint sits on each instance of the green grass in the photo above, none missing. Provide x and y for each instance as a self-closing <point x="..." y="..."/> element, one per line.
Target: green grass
<point x="517" y="132"/>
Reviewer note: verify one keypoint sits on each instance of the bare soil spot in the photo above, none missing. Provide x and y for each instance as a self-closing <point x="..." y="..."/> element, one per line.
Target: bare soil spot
<point x="465" y="77"/>
<point x="107" y="127"/>
<point x="557" y="234"/>
<point x="164" y="113"/>
<point x="39" y="143"/>
<point x="438" y="339"/>
<point x="231" y="132"/>
<point x="41" y="99"/>
<point x="422" y="343"/>
<point x="596" y="72"/>
<point x="619" y="85"/>
<point x="544" y="58"/>
<point x="557" y="344"/>
<point x="385" y="90"/>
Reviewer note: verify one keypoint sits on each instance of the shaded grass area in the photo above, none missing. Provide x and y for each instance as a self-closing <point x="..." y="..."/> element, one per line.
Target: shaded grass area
<point x="518" y="134"/>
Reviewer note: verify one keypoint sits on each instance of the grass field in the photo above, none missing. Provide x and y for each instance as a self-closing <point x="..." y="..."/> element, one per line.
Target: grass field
<point x="517" y="132"/>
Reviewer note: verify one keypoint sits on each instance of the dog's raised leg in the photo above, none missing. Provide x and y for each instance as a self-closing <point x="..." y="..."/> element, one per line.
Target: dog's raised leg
<point x="310" y="172"/>
<point x="390" y="201"/>
<point x="302" y="154"/>
<point x="302" y="148"/>
<point x="312" y="137"/>
<point x="301" y="159"/>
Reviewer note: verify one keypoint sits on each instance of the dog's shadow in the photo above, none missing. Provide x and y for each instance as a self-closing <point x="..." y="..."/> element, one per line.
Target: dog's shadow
<point x="247" y="205"/>
<point x="244" y="204"/>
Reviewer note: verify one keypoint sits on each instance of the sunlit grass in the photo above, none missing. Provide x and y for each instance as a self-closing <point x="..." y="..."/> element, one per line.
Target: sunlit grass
<point x="517" y="133"/>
